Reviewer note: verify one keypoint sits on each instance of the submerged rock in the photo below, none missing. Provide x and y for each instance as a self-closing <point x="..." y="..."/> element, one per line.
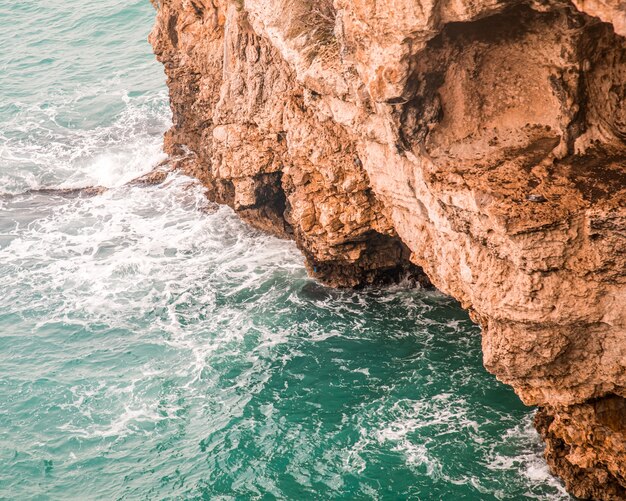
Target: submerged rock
<point x="86" y="192"/>
<point x="481" y="145"/>
<point x="156" y="176"/>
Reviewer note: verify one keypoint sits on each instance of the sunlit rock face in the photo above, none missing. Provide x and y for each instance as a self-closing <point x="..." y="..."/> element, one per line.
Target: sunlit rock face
<point x="480" y="144"/>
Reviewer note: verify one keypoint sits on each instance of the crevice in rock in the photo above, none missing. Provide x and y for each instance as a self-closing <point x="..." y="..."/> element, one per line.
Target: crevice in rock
<point x="268" y="206"/>
<point x="171" y="29"/>
<point x="383" y="260"/>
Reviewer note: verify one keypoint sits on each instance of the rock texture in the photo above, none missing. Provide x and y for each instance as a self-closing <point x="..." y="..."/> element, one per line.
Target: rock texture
<point x="586" y="446"/>
<point x="482" y="143"/>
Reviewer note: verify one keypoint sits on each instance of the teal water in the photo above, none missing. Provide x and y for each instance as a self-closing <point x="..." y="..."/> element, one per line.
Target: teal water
<point x="151" y="348"/>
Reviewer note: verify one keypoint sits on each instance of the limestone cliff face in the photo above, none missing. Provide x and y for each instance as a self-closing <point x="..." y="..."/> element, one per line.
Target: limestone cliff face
<point x="483" y="142"/>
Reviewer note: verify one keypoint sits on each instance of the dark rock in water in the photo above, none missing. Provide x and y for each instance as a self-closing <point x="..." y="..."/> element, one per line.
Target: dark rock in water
<point x="315" y="291"/>
<point x="209" y="207"/>
<point x="89" y="191"/>
<point x="155" y="176"/>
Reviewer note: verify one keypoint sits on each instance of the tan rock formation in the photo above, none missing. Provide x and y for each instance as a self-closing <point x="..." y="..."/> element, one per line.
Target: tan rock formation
<point x="586" y="446"/>
<point x="483" y="142"/>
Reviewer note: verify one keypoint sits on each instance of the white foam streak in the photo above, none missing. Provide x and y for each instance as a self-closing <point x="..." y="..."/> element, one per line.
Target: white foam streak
<point x="38" y="151"/>
<point x="120" y="426"/>
<point x="530" y="462"/>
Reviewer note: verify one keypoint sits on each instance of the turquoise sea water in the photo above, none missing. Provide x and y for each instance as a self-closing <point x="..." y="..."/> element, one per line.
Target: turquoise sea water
<point x="153" y="349"/>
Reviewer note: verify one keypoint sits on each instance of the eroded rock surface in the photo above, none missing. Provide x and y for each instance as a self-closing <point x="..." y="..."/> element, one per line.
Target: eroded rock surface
<point x="483" y="142"/>
<point x="586" y="446"/>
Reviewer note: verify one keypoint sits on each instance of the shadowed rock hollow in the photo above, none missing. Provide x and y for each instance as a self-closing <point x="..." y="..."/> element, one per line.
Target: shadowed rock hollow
<point x="481" y="144"/>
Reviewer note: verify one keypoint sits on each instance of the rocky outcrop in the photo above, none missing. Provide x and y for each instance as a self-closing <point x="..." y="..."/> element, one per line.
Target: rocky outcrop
<point x="585" y="445"/>
<point x="480" y="143"/>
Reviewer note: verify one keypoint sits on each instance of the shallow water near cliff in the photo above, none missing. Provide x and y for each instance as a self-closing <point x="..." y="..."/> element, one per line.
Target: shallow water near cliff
<point x="153" y="348"/>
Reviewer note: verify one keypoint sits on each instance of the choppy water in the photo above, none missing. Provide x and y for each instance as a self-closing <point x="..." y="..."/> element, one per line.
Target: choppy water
<point x="152" y="350"/>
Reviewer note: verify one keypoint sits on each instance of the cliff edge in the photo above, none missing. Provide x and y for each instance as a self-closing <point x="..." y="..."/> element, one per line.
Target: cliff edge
<point x="481" y="144"/>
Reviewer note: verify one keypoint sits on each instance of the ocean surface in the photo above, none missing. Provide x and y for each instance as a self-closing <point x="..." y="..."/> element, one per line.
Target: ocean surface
<point x="152" y="347"/>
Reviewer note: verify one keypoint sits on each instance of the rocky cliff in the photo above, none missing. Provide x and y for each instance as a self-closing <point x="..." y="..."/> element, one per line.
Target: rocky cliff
<point x="480" y="144"/>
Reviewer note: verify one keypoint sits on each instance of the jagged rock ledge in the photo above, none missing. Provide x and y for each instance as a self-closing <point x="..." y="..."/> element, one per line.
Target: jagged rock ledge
<point x="481" y="143"/>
